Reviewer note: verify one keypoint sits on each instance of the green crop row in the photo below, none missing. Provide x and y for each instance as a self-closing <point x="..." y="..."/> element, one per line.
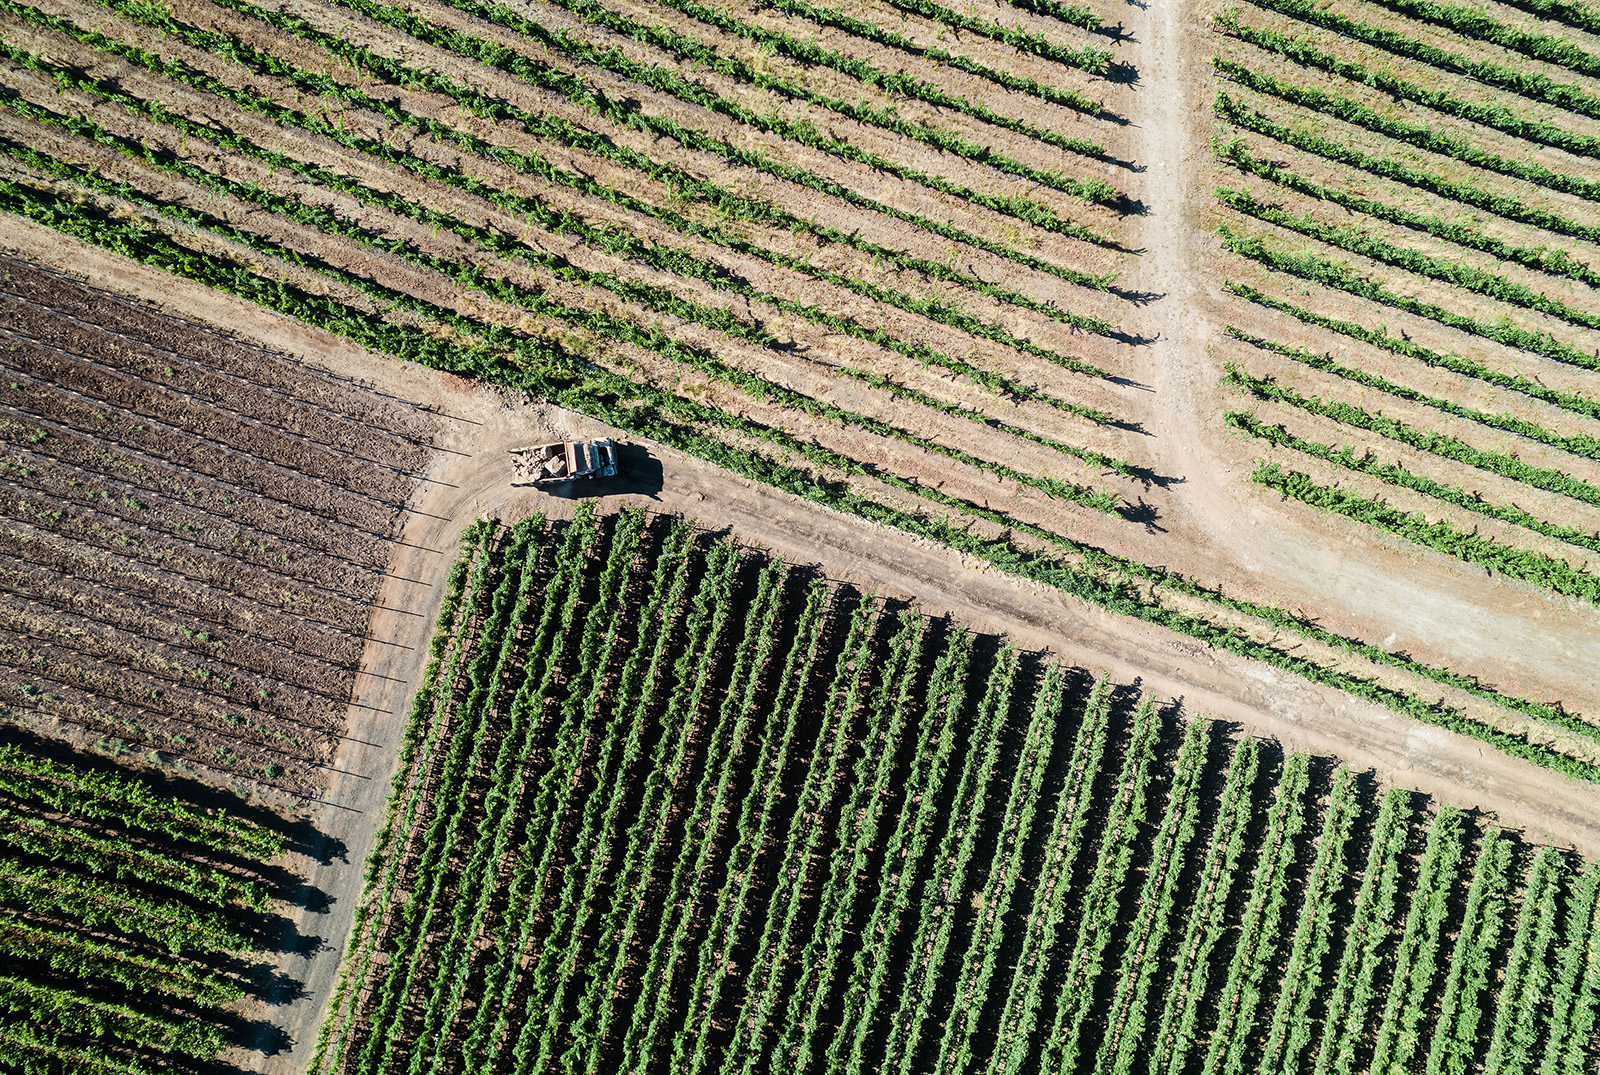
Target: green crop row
<point x="760" y="825"/>
<point x="837" y="828"/>
<point x="1581" y="16"/>
<point x="1416" y="959"/>
<point x="66" y="1011"/>
<point x="1576" y="443"/>
<point x="1541" y="258"/>
<point x="28" y="833"/>
<point x="433" y="836"/>
<point x="626" y="114"/>
<point x="1178" y="1030"/>
<point x="1472" y="959"/>
<point x="1532" y="567"/>
<point x="457" y="613"/>
<point x="703" y="631"/>
<point x="1466" y="367"/>
<point x="510" y="761"/>
<point x="878" y="35"/>
<point x="1371" y="922"/>
<point x="1575" y="998"/>
<point x="1006" y="863"/>
<point x="737" y="720"/>
<point x="1478" y="25"/>
<point x="82" y="956"/>
<point x="1422" y="135"/>
<point x="1510" y="207"/>
<point x="1441" y="444"/>
<point x="600" y="638"/>
<point x="818" y="810"/>
<point x="579" y="883"/>
<point x="498" y="288"/>
<point x="671" y="81"/>
<point x="1125" y="817"/>
<point x="1072" y="14"/>
<point x="1067" y="834"/>
<point x="118" y="950"/>
<point x="608" y="238"/>
<point x="1292" y="1028"/>
<point x="1397" y="475"/>
<point x="1494" y="116"/>
<point x="869" y="979"/>
<point x="113" y="797"/>
<point x="1359" y="240"/>
<point x="1255" y="950"/>
<point x="1525" y="984"/>
<point x="1158" y="906"/>
<point x="1322" y="271"/>
<point x="947" y="879"/>
<point x="855" y="836"/>
<point x="1089" y="57"/>
<point x="1529" y="84"/>
<point x="34" y="1051"/>
<point x="810" y="54"/>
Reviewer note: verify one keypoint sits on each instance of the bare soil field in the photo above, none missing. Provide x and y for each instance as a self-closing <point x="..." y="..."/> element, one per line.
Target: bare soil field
<point x="195" y="536"/>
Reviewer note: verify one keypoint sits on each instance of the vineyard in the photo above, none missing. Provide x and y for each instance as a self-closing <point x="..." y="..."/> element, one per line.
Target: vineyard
<point x="1241" y="351"/>
<point x="881" y="256"/>
<point x="194" y="533"/>
<point x="129" y="921"/>
<point x="669" y="804"/>
<point x="1407" y="193"/>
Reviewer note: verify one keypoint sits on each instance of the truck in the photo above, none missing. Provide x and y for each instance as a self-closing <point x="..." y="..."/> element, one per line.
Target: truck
<point x="546" y="464"/>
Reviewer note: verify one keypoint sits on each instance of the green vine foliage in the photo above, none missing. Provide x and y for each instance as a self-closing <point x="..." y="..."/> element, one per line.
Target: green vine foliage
<point x="1579" y="16"/>
<point x="609" y="239"/>
<point x="1358" y="240"/>
<point x="870" y="31"/>
<point x="540" y="304"/>
<point x="1421" y="135"/>
<point x="724" y="201"/>
<point x="1090" y="58"/>
<point x="1441" y="536"/>
<point x="1540" y="258"/>
<point x="669" y="80"/>
<point x="1476" y="24"/>
<point x="1447" y="360"/>
<point x="1502" y="205"/>
<point x="1301" y="51"/>
<point x="629" y="114"/>
<point x="1529" y="84"/>
<point x="501" y="354"/>
<point x="620" y="243"/>
<point x="1072" y="14"/>
<point x="1397" y="475"/>
<point x="1440" y="444"/>
<point x="1576" y="443"/>
<point x="813" y="55"/>
<point x="1322" y="271"/>
<point x="687" y="426"/>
